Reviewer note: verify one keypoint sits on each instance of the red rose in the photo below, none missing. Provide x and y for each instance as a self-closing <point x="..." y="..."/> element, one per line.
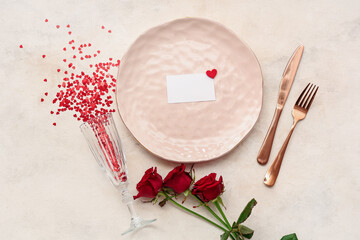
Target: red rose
<point x="178" y="180"/>
<point x="150" y="184"/>
<point x="207" y="188"/>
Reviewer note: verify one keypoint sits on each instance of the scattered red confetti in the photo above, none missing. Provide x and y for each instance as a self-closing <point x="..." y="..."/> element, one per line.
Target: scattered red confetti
<point x="43" y="56"/>
<point x="102" y="27"/>
<point x="86" y="93"/>
<point x="21" y="46"/>
<point x="45" y="80"/>
<point x="42" y="100"/>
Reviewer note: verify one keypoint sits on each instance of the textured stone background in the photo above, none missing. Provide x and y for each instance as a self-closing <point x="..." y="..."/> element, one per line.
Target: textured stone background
<point x="51" y="187"/>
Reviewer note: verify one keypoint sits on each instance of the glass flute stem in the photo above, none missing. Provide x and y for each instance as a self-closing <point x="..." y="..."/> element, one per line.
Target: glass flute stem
<point x="136" y="221"/>
<point x="128" y="200"/>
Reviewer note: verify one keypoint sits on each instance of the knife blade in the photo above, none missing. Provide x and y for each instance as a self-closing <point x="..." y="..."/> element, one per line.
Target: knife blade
<point x="285" y="86"/>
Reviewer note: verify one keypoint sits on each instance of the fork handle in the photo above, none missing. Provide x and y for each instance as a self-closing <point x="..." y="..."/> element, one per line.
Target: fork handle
<point x="265" y="150"/>
<point x="273" y="172"/>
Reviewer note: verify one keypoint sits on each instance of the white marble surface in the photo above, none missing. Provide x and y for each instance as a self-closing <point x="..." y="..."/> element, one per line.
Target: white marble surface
<point x="51" y="187"/>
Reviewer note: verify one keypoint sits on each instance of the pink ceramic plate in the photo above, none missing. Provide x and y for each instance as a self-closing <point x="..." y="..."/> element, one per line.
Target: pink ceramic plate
<point x="189" y="132"/>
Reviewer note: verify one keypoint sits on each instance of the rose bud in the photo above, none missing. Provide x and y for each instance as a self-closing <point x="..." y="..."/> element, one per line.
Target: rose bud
<point x="178" y="180"/>
<point x="150" y="184"/>
<point x="207" y="188"/>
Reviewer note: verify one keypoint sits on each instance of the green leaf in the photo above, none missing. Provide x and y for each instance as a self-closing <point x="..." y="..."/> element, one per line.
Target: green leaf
<point x="245" y="231"/>
<point x="247" y="211"/>
<point x="290" y="237"/>
<point x="219" y="199"/>
<point x="186" y="193"/>
<point x="225" y="236"/>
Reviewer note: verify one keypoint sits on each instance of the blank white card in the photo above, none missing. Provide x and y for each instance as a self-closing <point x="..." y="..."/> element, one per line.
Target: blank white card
<point x="190" y="88"/>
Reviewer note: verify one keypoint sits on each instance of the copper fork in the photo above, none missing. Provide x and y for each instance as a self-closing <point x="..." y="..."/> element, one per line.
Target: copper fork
<point x="299" y="112"/>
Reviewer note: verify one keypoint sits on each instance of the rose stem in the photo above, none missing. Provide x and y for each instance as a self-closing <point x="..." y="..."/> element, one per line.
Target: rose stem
<point x="217" y="205"/>
<point x="212" y="212"/>
<point x="192" y="212"/>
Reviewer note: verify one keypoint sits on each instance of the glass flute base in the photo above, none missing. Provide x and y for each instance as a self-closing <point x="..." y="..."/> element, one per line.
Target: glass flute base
<point x="137" y="223"/>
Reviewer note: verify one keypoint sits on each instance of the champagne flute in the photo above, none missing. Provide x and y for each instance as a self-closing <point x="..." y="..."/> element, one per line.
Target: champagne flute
<point x="105" y="144"/>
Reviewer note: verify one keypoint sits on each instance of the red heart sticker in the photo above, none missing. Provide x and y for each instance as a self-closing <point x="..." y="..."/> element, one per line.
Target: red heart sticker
<point x="212" y="73"/>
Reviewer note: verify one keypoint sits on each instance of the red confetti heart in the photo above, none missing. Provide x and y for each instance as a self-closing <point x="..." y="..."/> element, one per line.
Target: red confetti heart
<point x="46" y="20"/>
<point x="21" y="46"/>
<point x="102" y="27"/>
<point x="43" y="56"/>
<point x="57" y="26"/>
<point x="45" y="80"/>
<point x="46" y="94"/>
<point x="54" y="124"/>
<point x="68" y="25"/>
<point x="70" y="33"/>
<point x="64" y="49"/>
<point x="64" y="60"/>
<point x="212" y="73"/>
<point x="42" y="100"/>
<point x="58" y="70"/>
<point x="109" y="31"/>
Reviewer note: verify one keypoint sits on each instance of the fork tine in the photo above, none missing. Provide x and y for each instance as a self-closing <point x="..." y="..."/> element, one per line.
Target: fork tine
<point x="307" y="100"/>
<point x="306" y="97"/>
<point x="301" y="95"/>
<point x="312" y="99"/>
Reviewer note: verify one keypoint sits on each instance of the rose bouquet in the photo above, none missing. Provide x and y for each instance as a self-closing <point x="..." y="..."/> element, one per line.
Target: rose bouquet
<point x="207" y="191"/>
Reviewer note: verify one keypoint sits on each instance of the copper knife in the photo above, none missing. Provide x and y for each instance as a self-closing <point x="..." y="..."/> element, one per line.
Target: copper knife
<point x="285" y="86"/>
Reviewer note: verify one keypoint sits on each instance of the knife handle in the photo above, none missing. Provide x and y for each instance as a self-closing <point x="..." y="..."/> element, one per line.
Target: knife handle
<point x="265" y="150"/>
